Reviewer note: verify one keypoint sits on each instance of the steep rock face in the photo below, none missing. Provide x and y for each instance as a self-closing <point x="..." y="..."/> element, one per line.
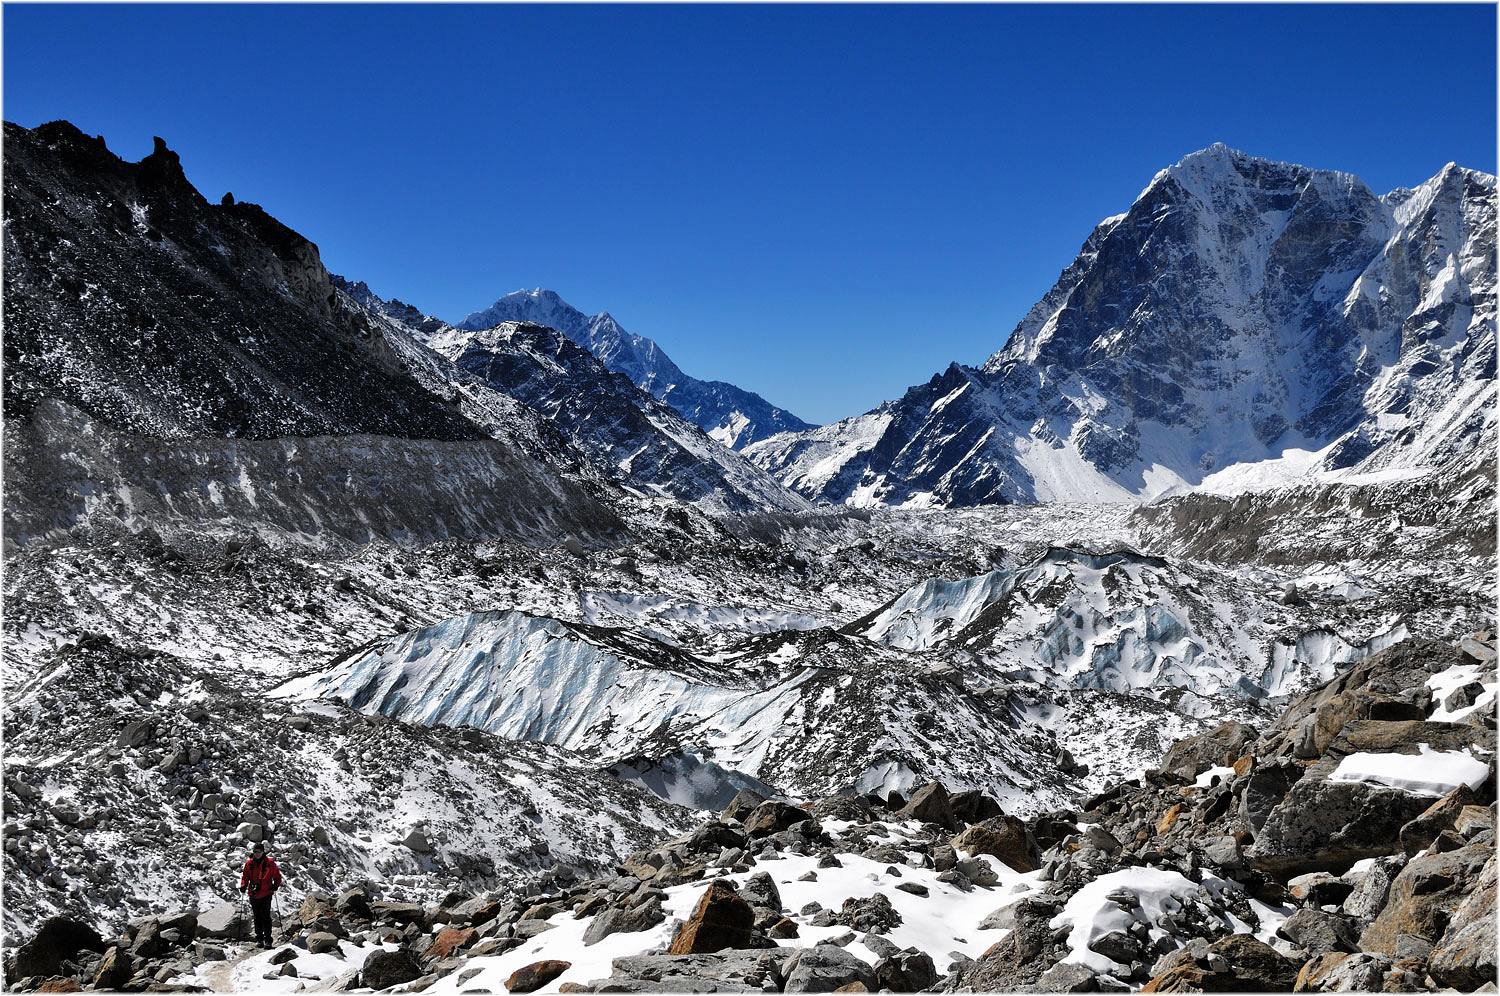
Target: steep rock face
<point x="131" y="297"/>
<point x="729" y="414"/>
<point x="644" y="442"/>
<point x="1242" y="311"/>
<point x="67" y="473"/>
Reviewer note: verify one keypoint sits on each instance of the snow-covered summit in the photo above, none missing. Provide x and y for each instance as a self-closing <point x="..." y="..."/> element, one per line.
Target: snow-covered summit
<point x="1244" y="317"/>
<point x="731" y="415"/>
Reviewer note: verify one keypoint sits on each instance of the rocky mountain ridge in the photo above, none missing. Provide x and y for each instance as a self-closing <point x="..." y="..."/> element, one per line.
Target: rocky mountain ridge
<point x="730" y="415"/>
<point x="1245" y="322"/>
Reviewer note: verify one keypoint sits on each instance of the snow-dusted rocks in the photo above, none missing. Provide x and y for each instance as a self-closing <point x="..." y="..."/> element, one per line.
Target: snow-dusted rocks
<point x="811" y="713"/>
<point x="730" y="415"/>
<point x="1245" y="322"/>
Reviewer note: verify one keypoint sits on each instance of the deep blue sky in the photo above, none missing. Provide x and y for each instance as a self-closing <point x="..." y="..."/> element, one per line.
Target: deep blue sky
<point x="824" y="204"/>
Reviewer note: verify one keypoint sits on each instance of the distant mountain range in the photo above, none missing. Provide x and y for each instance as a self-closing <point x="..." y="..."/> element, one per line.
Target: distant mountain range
<point x="640" y="441"/>
<point x="1245" y="322"/>
<point x="731" y="415"/>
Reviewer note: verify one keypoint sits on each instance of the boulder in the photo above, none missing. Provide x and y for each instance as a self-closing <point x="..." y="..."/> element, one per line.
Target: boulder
<point x="1361" y="972"/>
<point x="973" y="806"/>
<point x="1187" y="759"/>
<point x="1003" y="837"/>
<point x="727" y="971"/>
<point x="1263" y="789"/>
<point x="383" y="969"/>
<point x="1318" y="932"/>
<point x="1327" y="825"/>
<point x="530" y="978"/>
<point x="113" y="970"/>
<point x="321" y="942"/>
<point x="760" y="892"/>
<point x="1319" y="889"/>
<point x="824" y="968"/>
<point x="354" y="902"/>
<point x="908" y="971"/>
<point x="1011" y="964"/>
<point x="1386" y="686"/>
<point x="1237" y="963"/>
<point x="720" y="919"/>
<point x="1474" y="820"/>
<point x="226" y="922"/>
<point x="1418" y="834"/>
<point x="59" y="938"/>
<point x="617" y="920"/>
<point x="446" y="942"/>
<point x="1464" y="957"/>
<point x="1425" y="895"/>
<point x="1068" y="977"/>
<point x="931" y="804"/>
<point x="772" y="817"/>
<point x="874" y="915"/>
<point x="402" y="913"/>
<point x="1371" y="887"/>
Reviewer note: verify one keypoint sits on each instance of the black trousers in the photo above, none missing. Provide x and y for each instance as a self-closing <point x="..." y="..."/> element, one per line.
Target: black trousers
<point x="262" y="910"/>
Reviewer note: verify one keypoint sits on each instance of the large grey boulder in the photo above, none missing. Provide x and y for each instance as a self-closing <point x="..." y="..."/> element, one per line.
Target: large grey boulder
<point x="227" y="922"/>
<point x="1388" y="687"/>
<point x="1316" y="931"/>
<point x="616" y="920"/>
<point x="383" y="969"/>
<point x="760" y="892"/>
<point x="58" y="938"/>
<point x="723" y="972"/>
<point x="742" y="805"/>
<point x="1327" y="825"/>
<point x="824" y="968"/>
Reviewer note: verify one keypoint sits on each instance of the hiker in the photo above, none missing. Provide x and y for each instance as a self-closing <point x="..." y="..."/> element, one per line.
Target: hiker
<point x="260" y="880"/>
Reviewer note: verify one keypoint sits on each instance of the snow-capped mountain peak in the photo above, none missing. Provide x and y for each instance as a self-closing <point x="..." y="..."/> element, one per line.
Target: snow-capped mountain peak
<point x="730" y="415"/>
<point x="1242" y="314"/>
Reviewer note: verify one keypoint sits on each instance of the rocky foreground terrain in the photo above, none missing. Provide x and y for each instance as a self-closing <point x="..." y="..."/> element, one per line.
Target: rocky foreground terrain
<point x="1347" y="845"/>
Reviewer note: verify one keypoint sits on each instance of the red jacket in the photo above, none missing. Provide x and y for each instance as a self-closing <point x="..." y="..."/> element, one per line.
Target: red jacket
<point x="262" y="876"/>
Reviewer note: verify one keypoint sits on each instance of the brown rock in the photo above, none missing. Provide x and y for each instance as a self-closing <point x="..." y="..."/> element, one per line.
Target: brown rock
<point x="1244" y="766"/>
<point x="1315" y="973"/>
<point x="772" y="817"/>
<point x="1464" y="958"/>
<point x="1168" y="819"/>
<point x="536" y="975"/>
<point x="1003" y="837"/>
<point x="573" y="987"/>
<point x="59" y="984"/>
<point x="113" y="970"/>
<point x="782" y="929"/>
<point x="853" y="987"/>
<point x="1425" y="895"/>
<point x="1189" y="758"/>
<point x="931" y="804"/>
<point x="449" y="940"/>
<point x="1440" y="816"/>
<point x="721" y="919"/>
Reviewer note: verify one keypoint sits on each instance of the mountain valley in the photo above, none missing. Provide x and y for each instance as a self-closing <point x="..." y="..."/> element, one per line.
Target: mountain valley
<point x="1156" y="652"/>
